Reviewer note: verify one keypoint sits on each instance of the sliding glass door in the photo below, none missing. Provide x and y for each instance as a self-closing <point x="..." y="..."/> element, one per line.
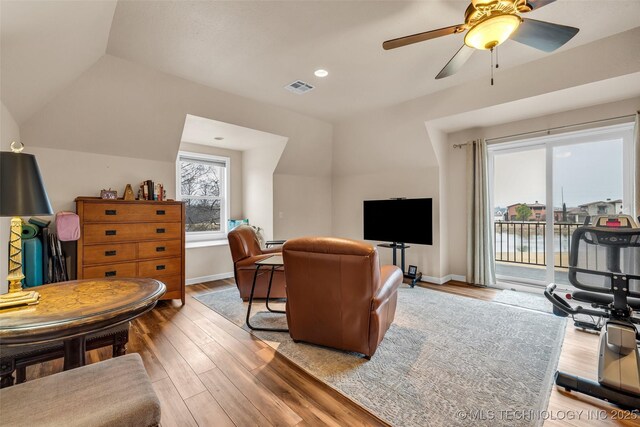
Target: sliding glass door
<point x="543" y="188"/>
<point x="519" y="200"/>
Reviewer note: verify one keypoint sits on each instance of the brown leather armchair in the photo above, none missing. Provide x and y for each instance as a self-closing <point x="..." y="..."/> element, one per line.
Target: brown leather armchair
<point x="245" y="251"/>
<point x="337" y="294"/>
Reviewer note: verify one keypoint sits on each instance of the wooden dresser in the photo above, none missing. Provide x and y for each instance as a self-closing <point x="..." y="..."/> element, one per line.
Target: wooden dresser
<point x="132" y="239"/>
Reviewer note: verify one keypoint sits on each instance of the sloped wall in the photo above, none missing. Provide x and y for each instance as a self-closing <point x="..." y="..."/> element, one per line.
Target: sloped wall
<point x="119" y="108"/>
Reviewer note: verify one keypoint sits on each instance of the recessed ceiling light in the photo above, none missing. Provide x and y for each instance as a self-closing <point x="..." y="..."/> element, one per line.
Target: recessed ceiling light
<point x="218" y="138"/>
<point x="321" y="73"/>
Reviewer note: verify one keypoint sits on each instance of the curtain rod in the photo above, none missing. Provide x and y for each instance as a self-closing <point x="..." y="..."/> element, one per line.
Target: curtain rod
<point x="548" y="131"/>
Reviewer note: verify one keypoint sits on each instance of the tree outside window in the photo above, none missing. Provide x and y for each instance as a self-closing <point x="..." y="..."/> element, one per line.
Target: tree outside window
<point x="202" y="187"/>
<point x="523" y="212"/>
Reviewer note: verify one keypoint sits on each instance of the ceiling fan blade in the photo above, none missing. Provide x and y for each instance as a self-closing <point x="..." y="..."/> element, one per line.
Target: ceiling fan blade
<point x="456" y="62"/>
<point x="543" y="35"/>
<point x="420" y="37"/>
<point x="535" y="4"/>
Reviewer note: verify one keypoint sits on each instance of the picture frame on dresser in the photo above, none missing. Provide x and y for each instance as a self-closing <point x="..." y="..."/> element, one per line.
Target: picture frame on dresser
<point x="133" y="238"/>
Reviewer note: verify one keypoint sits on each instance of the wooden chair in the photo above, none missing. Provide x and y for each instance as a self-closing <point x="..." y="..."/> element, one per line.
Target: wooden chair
<point x="18" y="358"/>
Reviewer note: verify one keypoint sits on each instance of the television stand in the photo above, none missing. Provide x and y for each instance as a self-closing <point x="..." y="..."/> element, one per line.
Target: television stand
<point x="395" y="246"/>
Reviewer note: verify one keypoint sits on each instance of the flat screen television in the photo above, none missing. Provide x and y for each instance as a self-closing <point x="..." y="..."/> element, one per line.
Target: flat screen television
<point x="399" y="221"/>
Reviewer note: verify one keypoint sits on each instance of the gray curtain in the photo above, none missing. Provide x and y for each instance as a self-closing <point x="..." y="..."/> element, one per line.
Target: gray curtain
<point x="480" y="259"/>
<point x="636" y="148"/>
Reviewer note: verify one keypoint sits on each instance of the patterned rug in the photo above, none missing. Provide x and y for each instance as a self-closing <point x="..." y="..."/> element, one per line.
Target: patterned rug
<point x="446" y="360"/>
<point x="525" y="300"/>
<point x="535" y="302"/>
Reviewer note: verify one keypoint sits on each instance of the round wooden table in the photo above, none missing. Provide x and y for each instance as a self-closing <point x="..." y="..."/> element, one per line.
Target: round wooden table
<point x="68" y="311"/>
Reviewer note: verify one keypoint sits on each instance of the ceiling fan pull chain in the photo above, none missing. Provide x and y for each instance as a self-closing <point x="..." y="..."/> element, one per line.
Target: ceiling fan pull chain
<point x="497" y="66"/>
<point x="491" y="53"/>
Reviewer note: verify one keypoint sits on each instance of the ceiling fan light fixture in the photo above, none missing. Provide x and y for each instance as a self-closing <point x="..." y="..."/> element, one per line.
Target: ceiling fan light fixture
<point x="492" y="31"/>
<point x="484" y="4"/>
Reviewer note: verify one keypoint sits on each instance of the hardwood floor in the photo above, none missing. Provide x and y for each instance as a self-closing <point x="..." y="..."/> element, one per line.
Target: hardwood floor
<point x="208" y="372"/>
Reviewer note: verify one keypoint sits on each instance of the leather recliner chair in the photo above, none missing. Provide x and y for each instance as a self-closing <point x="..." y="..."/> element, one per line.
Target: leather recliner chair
<point x="337" y="294"/>
<point x="245" y="251"/>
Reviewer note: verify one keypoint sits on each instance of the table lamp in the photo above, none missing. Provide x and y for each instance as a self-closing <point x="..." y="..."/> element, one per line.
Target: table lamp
<point x="22" y="193"/>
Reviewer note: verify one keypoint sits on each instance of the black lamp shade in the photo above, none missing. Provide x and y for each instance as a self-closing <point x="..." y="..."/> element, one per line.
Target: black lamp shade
<point x="22" y="191"/>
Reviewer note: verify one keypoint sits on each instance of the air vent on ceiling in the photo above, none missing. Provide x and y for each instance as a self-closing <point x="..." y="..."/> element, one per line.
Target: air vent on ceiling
<point x="299" y="87"/>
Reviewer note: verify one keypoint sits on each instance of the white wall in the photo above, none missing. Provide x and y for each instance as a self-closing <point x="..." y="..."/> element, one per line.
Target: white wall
<point x="438" y="138"/>
<point x="119" y="108"/>
<point x="69" y="174"/>
<point x="350" y="191"/>
<point x="313" y="201"/>
<point x="258" y="201"/>
<point x="9" y="131"/>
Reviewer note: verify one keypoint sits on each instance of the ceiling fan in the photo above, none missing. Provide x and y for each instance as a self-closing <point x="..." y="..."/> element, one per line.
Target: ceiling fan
<point x="489" y="24"/>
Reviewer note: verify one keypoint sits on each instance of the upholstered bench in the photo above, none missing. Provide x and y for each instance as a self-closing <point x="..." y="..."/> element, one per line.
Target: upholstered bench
<point x="18" y="358"/>
<point x="116" y="392"/>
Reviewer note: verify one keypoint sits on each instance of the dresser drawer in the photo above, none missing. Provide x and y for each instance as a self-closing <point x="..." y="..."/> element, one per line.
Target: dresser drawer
<point x="160" y="267"/>
<point x="165" y="248"/>
<point x="173" y="283"/>
<point x="124" y="269"/>
<point x="104" y="233"/>
<point x="101" y="254"/>
<point x="123" y="212"/>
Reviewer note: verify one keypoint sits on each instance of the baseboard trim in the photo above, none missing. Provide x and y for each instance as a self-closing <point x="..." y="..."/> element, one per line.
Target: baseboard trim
<point x="195" y="280"/>
<point x="444" y="279"/>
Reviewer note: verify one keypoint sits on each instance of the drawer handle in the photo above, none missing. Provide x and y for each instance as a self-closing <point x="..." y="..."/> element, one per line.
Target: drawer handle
<point x="110" y="212"/>
<point x="110" y="273"/>
<point x="160" y="249"/>
<point x="160" y="267"/>
<point x="159" y="230"/>
<point x="110" y="253"/>
<point x="160" y="212"/>
<point x="110" y="232"/>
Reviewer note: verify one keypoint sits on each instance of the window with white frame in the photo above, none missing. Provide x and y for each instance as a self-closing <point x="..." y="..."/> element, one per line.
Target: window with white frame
<point x="202" y="183"/>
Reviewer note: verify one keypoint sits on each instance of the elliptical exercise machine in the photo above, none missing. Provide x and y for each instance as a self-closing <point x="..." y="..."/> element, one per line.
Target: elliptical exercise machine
<point x="611" y="298"/>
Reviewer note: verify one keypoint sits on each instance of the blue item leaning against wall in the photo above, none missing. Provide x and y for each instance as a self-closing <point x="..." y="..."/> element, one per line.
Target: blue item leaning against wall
<point x="31" y="256"/>
<point x="233" y="223"/>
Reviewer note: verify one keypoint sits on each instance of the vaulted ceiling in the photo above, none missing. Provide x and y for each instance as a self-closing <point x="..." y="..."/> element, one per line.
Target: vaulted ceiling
<point x="45" y="46"/>
<point x="254" y="48"/>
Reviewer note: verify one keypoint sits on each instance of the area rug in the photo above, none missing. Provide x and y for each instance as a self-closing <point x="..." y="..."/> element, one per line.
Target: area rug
<point x="525" y="300"/>
<point x="446" y="360"/>
<point x="536" y="302"/>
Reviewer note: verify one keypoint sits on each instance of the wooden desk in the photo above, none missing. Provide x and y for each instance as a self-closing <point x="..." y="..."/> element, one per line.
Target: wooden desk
<point x="69" y="311"/>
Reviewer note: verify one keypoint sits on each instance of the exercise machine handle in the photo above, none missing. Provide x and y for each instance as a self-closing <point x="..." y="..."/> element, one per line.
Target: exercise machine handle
<point x="574" y="281"/>
<point x="564" y="306"/>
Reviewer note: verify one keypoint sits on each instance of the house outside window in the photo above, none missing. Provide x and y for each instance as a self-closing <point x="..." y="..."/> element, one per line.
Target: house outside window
<point x="202" y="183"/>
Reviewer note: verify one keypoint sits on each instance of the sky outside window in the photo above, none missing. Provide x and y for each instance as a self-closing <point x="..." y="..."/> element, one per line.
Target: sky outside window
<point x="585" y="173"/>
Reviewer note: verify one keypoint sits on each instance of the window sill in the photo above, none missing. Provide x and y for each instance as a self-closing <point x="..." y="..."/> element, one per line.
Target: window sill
<point x="206" y="243"/>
